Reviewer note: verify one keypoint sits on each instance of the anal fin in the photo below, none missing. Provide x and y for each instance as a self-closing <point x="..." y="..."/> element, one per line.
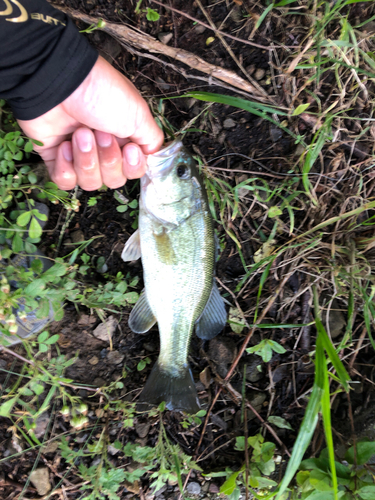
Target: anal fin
<point x="141" y="318"/>
<point x="213" y="318"/>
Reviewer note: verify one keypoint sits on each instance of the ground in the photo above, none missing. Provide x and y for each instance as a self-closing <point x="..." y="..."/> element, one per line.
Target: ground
<point x="298" y="218"/>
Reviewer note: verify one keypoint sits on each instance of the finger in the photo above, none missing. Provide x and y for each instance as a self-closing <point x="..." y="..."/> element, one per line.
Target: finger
<point x="134" y="165"/>
<point x="110" y="160"/>
<point x="86" y="161"/>
<point x="62" y="171"/>
<point x="148" y="135"/>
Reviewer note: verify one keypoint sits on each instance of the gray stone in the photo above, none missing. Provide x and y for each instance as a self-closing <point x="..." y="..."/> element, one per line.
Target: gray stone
<point x="229" y="123"/>
<point x="40" y="480"/>
<point x="193" y="488"/>
<point x="77" y="236"/>
<point x="275" y="133"/>
<point x="259" y="74"/>
<point x="41" y="424"/>
<point x="115" y="357"/>
<point x="142" y="429"/>
<point x="105" y="330"/>
<point x="165" y="37"/>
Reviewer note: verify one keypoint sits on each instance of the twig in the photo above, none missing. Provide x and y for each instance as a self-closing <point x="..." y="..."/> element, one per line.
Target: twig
<point x="129" y="36"/>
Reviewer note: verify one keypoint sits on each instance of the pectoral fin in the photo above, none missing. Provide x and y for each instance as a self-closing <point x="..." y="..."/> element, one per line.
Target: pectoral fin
<point x="213" y="318"/>
<point x="141" y="318"/>
<point x="132" y="248"/>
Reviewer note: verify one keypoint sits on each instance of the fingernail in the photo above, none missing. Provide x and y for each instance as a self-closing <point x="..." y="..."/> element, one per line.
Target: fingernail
<point x="132" y="155"/>
<point x="103" y="139"/>
<point x="67" y="151"/>
<point x="84" y="140"/>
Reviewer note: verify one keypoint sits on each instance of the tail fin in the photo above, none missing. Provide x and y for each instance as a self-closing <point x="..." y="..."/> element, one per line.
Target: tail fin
<point x="179" y="393"/>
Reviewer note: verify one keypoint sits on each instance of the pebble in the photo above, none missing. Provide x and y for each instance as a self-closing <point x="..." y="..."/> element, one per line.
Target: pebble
<point x="94" y="360"/>
<point x="41" y="424"/>
<point x="142" y="429"/>
<point x="50" y="447"/>
<point x="105" y="330"/>
<point x="115" y="357"/>
<point x="193" y="488"/>
<point x="112" y="450"/>
<point x="214" y="488"/>
<point x="275" y="133"/>
<point x="199" y="29"/>
<point x="99" y="382"/>
<point x="40" y="479"/>
<point x="259" y="73"/>
<point x="229" y="123"/>
<point x="165" y="37"/>
<point x="77" y="236"/>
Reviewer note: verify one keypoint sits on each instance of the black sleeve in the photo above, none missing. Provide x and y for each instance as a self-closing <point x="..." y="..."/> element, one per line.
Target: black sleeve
<point x="43" y="57"/>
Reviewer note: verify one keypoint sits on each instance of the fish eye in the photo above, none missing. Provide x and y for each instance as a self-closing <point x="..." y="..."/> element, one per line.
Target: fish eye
<point x="182" y="171"/>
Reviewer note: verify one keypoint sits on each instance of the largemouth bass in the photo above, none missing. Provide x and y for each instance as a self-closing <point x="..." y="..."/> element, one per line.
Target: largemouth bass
<point x="177" y="244"/>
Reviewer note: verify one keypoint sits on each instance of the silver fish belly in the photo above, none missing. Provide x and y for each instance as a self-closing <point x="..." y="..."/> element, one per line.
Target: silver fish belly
<point x="177" y="244"/>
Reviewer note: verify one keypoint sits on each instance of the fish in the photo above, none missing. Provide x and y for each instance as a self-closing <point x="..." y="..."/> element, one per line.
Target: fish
<point x="177" y="244"/>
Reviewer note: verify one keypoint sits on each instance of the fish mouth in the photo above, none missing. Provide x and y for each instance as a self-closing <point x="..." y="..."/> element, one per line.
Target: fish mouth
<point x="158" y="164"/>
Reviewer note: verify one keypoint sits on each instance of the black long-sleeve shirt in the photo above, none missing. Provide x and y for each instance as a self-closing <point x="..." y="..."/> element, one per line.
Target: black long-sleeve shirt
<point x="43" y="57"/>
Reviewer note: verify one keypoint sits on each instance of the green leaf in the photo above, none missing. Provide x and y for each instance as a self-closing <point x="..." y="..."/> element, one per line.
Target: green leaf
<point x="17" y="243"/>
<point x="6" y="407"/>
<point x="131" y="297"/>
<point x="274" y="212"/>
<point x="37" y="388"/>
<point x="300" y="109"/>
<point x="32" y="178"/>
<point x="43" y="348"/>
<point x="365" y="450"/>
<point x="28" y="147"/>
<point x="367" y="492"/>
<point x="53" y="339"/>
<point x="56" y="270"/>
<point x="133" y="204"/>
<point x="23" y="219"/>
<point x="43" y="336"/>
<point x="230" y="484"/>
<point x="35" y="229"/>
<point x="279" y="422"/>
<point x="122" y="208"/>
<point x="35" y="288"/>
<point x="152" y="15"/>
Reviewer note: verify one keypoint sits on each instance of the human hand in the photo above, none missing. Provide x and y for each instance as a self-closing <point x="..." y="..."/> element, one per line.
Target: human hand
<point x="98" y="135"/>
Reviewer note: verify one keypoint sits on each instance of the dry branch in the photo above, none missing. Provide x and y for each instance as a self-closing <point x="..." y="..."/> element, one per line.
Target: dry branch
<point x="129" y="37"/>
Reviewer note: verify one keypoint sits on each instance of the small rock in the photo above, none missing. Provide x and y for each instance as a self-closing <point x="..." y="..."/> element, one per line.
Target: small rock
<point x="150" y="347"/>
<point x="214" y="488"/>
<point x="275" y="133"/>
<point x="252" y="372"/>
<point x="112" y="450"/>
<point x="161" y="491"/>
<point x="193" y="488"/>
<point x="162" y="83"/>
<point x="99" y="382"/>
<point x="86" y="320"/>
<point x="199" y="29"/>
<point x="105" y="330"/>
<point x="229" y="123"/>
<point x="222" y="352"/>
<point x="165" y="37"/>
<point x="259" y="74"/>
<point x="250" y="69"/>
<point x="256" y="399"/>
<point x="40" y="479"/>
<point x="50" y="447"/>
<point x="142" y="429"/>
<point x="115" y="357"/>
<point x="77" y="236"/>
<point x="41" y="424"/>
<point x="94" y="360"/>
<point x="81" y="438"/>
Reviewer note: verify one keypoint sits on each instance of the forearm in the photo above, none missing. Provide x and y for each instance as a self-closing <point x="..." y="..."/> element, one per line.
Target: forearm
<point x="43" y="57"/>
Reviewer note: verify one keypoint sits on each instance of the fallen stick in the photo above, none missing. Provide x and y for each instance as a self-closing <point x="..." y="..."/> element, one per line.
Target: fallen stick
<point x="129" y="37"/>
